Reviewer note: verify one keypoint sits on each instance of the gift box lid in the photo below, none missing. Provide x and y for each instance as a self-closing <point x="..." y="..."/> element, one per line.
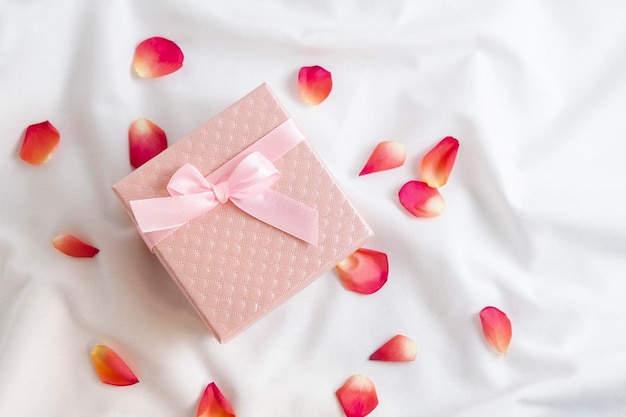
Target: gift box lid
<point x="233" y="267"/>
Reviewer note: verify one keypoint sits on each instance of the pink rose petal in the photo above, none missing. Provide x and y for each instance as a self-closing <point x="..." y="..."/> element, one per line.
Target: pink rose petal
<point x="399" y="348"/>
<point x="365" y="271"/>
<point x="315" y="84"/>
<point x="214" y="404"/>
<point x="40" y="142"/>
<point x="357" y="396"/>
<point x="155" y="57"/>
<point x="111" y="369"/>
<point x="387" y="155"/>
<point x="72" y="246"/>
<point x="145" y="141"/>
<point x="438" y="162"/>
<point x="421" y="200"/>
<point x="496" y="329"/>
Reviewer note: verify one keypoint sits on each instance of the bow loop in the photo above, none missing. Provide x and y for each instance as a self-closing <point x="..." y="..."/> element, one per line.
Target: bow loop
<point x="187" y="180"/>
<point x="252" y="176"/>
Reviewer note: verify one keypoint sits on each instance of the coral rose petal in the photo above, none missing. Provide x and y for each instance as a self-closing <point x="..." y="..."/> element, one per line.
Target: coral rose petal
<point x="111" y="368"/>
<point x="40" y="142"/>
<point x="421" y="200"/>
<point x="438" y="162"/>
<point x="145" y="140"/>
<point x="387" y="155"/>
<point x="365" y="271"/>
<point x="496" y="329"/>
<point x="315" y="84"/>
<point x="214" y="404"/>
<point x="72" y="246"/>
<point x="397" y="349"/>
<point x="156" y="57"/>
<point x="357" y="396"/>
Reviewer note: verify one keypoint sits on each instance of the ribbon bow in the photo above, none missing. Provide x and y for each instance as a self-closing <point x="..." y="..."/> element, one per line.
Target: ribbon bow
<point x="247" y="187"/>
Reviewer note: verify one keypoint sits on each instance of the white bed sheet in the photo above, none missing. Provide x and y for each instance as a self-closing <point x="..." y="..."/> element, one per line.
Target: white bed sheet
<point x="535" y="217"/>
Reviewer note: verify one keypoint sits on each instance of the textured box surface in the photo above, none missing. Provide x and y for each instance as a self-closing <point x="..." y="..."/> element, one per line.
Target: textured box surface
<point x="232" y="267"/>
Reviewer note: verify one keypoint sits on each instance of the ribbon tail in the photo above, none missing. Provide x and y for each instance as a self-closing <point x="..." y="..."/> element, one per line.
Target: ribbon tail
<point x="283" y="213"/>
<point x="157" y="218"/>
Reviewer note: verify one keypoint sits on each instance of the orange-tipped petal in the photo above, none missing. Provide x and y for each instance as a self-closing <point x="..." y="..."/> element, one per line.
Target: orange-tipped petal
<point x="357" y="396"/>
<point x="397" y="349"/>
<point x="156" y="57"/>
<point x="421" y="200"/>
<point x="438" y="162"/>
<point x="315" y="84"/>
<point x="40" y="142"/>
<point x="145" y="141"/>
<point x="214" y="404"/>
<point x="110" y="368"/>
<point x="72" y="246"/>
<point x="364" y="271"/>
<point x="496" y="328"/>
<point x="387" y="155"/>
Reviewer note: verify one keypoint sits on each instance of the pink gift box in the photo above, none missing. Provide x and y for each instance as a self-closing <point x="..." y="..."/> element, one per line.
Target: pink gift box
<point x="235" y="252"/>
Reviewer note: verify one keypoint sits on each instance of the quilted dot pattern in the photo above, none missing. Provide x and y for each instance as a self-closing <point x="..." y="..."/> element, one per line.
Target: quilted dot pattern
<point x="234" y="268"/>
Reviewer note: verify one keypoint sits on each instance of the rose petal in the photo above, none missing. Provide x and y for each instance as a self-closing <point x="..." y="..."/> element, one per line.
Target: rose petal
<point x="357" y="396"/>
<point x="438" y="162"/>
<point x="386" y="155"/>
<point x="397" y="349"/>
<point x="145" y="140"/>
<point x="72" y="246"/>
<point x="156" y="57"/>
<point x="315" y="84"/>
<point x="214" y="404"/>
<point x="421" y="200"/>
<point x="40" y="142"/>
<point x="110" y="368"/>
<point x="364" y="271"/>
<point x="496" y="329"/>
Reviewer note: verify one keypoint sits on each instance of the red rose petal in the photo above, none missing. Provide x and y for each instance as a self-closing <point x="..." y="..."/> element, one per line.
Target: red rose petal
<point x="72" y="246"/>
<point x="365" y="271"/>
<point x="397" y="349"/>
<point x="496" y="329"/>
<point x="387" y="155"/>
<point x="40" y="142"/>
<point x="156" y="57"/>
<point x="111" y="369"/>
<point x="315" y="84"/>
<point x="438" y="162"/>
<point x="421" y="200"/>
<point x="214" y="404"/>
<point x="145" y="140"/>
<point x="357" y="396"/>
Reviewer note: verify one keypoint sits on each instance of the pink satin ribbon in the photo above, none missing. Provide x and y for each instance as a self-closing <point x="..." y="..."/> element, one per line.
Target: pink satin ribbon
<point x="245" y="181"/>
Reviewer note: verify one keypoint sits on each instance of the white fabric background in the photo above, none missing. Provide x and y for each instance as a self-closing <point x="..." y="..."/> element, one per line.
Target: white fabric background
<point x="535" y="91"/>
